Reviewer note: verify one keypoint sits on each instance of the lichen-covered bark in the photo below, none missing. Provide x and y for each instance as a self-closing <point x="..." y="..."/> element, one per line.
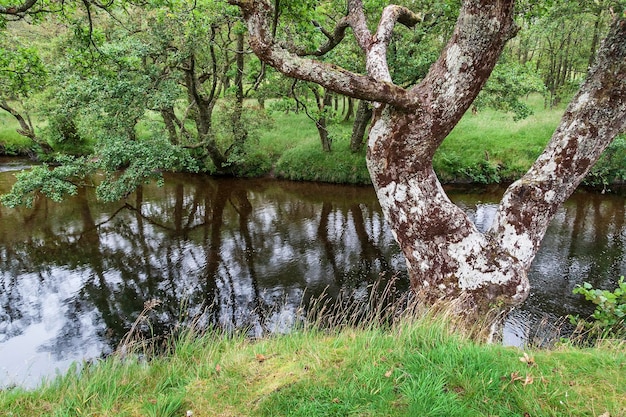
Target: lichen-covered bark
<point x="446" y="255"/>
<point x="595" y="116"/>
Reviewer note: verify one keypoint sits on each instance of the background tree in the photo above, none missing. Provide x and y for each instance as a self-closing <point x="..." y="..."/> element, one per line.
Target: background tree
<point x="22" y="74"/>
<point x="560" y="40"/>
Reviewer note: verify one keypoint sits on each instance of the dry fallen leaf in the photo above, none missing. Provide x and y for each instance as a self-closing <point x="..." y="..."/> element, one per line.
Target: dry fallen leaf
<point x="607" y="414"/>
<point x="260" y="358"/>
<point x="336" y="400"/>
<point x="389" y="373"/>
<point x="515" y="376"/>
<point x="218" y="368"/>
<point x="528" y="380"/>
<point x="528" y="360"/>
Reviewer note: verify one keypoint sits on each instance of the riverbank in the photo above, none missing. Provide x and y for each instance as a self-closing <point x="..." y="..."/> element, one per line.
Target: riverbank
<point x="417" y="367"/>
<point x="484" y="148"/>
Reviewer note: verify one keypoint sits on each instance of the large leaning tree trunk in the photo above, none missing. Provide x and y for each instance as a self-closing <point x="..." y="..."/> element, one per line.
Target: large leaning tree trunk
<point x="446" y="255"/>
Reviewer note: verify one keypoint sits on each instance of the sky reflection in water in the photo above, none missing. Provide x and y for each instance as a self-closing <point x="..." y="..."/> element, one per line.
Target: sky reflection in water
<point x="74" y="276"/>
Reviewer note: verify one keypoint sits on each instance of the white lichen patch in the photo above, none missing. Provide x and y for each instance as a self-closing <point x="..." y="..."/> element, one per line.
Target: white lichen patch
<point x="376" y="63"/>
<point x="519" y="245"/>
<point x="549" y="168"/>
<point x="455" y="62"/>
<point x="495" y="24"/>
<point x="381" y="128"/>
<point x="472" y="268"/>
<point x="580" y="102"/>
<point x="455" y="59"/>
<point x="391" y="196"/>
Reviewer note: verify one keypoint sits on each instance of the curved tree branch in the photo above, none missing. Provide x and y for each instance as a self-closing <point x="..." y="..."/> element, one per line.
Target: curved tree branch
<point x="356" y="16"/>
<point x="596" y="115"/>
<point x="462" y="69"/>
<point x="18" y="10"/>
<point x="377" y="52"/>
<point x="258" y="14"/>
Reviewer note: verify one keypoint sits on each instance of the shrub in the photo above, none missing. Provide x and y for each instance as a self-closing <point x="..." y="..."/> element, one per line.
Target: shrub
<point x="611" y="168"/>
<point x="609" y="316"/>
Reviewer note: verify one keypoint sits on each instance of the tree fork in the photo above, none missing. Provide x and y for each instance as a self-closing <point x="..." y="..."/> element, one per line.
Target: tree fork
<point x="447" y="257"/>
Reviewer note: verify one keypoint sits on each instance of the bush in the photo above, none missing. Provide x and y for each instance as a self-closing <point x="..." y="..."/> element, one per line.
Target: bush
<point x="609" y="317"/>
<point x="253" y="164"/>
<point x="611" y="168"/>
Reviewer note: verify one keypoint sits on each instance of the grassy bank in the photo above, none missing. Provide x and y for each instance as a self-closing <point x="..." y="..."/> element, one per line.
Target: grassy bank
<point x="487" y="147"/>
<point x="417" y="367"/>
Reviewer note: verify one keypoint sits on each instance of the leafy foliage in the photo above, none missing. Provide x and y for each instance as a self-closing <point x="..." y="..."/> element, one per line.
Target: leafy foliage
<point x="128" y="164"/>
<point x="53" y="183"/>
<point x="611" y="168"/>
<point x="21" y="70"/>
<point x="508" y="84"/>
<point x="124" y="165"/>
<point x="609" y="316"/>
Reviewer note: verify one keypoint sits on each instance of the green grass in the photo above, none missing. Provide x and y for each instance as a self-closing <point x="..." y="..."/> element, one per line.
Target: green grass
<point x="417" y="367"/>
<point x="484" y="148"/>
<point x="491" y="147"/>
<point x="294" y="146"/>
<point x="11" y="142"/>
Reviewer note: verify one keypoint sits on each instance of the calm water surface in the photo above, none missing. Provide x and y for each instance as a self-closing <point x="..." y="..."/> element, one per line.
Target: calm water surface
<point x="74" y="276"/>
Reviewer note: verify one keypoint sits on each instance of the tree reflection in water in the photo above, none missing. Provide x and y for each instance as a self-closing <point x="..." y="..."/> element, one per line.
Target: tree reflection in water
<point x="236" y="254"/>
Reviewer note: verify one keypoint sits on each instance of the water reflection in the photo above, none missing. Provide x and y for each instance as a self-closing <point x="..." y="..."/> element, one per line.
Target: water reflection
<point x="74" y="276"/>
<point x="235" y="253"/>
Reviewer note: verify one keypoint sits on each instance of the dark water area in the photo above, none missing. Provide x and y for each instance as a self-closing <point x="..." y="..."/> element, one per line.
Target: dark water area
<point x="242" y="253"/>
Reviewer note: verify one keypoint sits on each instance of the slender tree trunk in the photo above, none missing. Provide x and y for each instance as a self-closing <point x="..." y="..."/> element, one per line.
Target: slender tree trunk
<point x="324" y="104"/>
<point x="203" y="111"/>
<point x="361" y="120"/>
<point x="26" y="127"/>
<point x="595" y="39"/>
<point x="240" y="133"/>
<point x="169" y="116"/>
<point x="350" y="110"/>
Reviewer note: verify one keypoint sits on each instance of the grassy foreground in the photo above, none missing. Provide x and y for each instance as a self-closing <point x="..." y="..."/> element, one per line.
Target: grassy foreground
<point x="416" y="367"/>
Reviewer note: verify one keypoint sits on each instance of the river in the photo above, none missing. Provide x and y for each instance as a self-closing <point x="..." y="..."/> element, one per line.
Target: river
<point x="74" y="276"/>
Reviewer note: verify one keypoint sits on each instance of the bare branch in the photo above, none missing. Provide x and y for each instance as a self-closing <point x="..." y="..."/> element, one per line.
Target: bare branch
<point x="334" y="38"/>
<point x="391" y="15"/>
